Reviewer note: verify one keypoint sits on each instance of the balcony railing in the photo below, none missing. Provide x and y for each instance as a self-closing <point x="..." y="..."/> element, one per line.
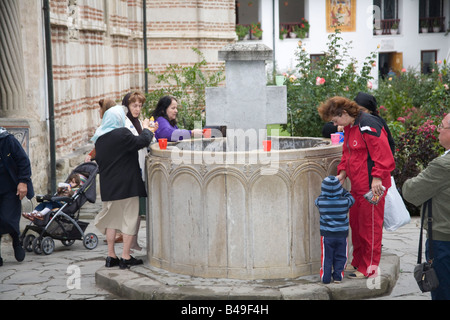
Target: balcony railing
<point x="433" y="24"/>
<point x="386" y="26"/>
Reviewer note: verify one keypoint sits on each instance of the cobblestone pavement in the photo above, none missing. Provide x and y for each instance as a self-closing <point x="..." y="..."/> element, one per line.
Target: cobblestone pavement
<point x="69" y="272"/>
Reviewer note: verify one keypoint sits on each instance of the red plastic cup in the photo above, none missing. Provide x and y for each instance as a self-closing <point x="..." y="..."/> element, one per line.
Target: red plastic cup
<point x="335" y="137"/>
<point x="162" y="143"/>
<point x="207" y="133"/>
<point x="267" y="145"/>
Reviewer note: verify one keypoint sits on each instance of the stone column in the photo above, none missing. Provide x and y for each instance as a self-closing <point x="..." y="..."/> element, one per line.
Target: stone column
<point x="12" y="83"/>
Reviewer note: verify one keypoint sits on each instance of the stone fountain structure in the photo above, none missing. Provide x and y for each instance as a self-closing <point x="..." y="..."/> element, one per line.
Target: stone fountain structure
<point x="223" y="207"/>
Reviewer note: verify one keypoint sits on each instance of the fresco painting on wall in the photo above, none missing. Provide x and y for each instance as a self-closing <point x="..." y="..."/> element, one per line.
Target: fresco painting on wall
<point x="343" y="13"/>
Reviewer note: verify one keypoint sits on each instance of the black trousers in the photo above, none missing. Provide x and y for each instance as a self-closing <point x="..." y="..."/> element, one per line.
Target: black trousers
<point x="10" y="212"/>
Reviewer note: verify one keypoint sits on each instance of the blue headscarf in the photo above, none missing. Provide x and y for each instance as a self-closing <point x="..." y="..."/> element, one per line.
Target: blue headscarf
<point x="113" y="118"/>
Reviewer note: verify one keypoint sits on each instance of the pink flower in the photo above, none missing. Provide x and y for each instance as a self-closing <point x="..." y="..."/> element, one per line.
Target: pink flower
<point x="369" y="84"/>
<point x="401" y="119"/>
<point x="404" y="70"/>
<point x="320" y="81"/>
<point x="446" y="86"/>
<point x="383" y="108"/>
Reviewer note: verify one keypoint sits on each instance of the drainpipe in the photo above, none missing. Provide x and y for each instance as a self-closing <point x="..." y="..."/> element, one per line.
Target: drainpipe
<point x="273" y="40"/>
<point x="51" y="106"/>
<point x="145" y="44"/>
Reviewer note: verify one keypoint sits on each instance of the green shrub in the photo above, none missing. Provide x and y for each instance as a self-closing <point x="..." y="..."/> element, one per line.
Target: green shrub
<point x="314" y="82"/>
<point x="188" y="85"/>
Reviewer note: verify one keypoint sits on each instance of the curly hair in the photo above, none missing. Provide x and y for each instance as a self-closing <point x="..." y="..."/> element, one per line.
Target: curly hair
<point x="334" y="107"/>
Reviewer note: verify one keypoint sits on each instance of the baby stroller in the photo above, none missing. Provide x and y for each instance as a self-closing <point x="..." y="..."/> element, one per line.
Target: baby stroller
<point x="62" y="223"/>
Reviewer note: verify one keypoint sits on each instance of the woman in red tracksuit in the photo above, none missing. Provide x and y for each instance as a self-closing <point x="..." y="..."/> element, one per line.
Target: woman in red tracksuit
<point x="367" y="161"/>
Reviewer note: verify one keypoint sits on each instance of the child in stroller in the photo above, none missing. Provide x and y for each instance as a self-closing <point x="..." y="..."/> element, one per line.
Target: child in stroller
<point x="62" y="223"/>
<point x="75" y="181"/>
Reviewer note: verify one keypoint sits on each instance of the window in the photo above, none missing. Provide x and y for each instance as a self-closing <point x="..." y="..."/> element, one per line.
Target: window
<point x="315" y="59"/>
<point x="431" y="16"/>
<point x="387" y="15"/>
<point x="388" y="8"/>
<point x="292" y="15"/>
<point x="428" y="59"/>
<point x="247" y="17"/>
<point x="247" y="12"/>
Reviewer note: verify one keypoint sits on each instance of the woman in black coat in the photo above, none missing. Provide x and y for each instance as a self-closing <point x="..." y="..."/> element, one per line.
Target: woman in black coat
<point x="15" y="184"/>
<point x="121" y="182"/>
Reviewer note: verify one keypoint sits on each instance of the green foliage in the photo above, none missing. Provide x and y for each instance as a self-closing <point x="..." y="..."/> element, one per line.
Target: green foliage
<point x="415" y="148"/>
<point x="415" y="90"/>
<point x="242" y="31"/>
<point x="255" y="30"/>
<point x="316" y="81"/>
<point x="414" y="104"/>
<point x="188" y="85"/>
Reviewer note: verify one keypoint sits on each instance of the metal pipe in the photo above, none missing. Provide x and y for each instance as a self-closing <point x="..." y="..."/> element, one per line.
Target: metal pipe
<point x="51" y="106"/>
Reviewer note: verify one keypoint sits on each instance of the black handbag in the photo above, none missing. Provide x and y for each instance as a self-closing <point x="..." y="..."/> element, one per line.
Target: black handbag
<point x="424" y="273"/>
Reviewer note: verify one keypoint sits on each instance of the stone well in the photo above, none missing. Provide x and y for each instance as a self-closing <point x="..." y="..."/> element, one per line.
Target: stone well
<point x="237" y="214"/>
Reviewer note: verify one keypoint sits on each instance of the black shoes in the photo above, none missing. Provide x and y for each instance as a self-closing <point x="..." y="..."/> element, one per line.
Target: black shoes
<point x="125" y="264"/>
<point x="112" y="262"/>
<point x="122" y="263"/>
<point x="19" y="252"/>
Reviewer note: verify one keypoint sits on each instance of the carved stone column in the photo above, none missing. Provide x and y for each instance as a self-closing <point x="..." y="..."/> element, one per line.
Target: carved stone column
<point x="12" y="83"/>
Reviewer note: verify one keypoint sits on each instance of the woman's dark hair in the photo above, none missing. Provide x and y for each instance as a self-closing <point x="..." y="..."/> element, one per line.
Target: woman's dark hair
<point x="161" y="108"/>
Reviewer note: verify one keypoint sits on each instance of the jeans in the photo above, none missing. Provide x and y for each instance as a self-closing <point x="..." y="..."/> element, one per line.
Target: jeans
<point x="441" y="264"/>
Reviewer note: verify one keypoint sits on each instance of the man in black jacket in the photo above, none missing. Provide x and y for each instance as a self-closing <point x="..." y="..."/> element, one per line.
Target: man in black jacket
<point x="15" y="177"/>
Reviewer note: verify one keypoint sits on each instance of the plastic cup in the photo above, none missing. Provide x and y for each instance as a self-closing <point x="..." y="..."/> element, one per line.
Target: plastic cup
<point x="335" y="137"/>
<point x="162" y="143"/>
<point x="267" y="145"/>
<point x="207" y="133"/>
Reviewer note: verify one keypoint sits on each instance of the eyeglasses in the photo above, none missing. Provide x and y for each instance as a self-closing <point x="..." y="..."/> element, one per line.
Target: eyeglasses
<point x="441" y="126"/>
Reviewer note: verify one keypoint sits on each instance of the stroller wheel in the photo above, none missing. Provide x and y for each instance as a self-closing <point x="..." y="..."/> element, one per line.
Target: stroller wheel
<point x="47" y="245"/>
<point x="90" y="241"/>
<point x="37" y="245"/>
<point x="28" y="242"/>
<point x="68" y="243"/>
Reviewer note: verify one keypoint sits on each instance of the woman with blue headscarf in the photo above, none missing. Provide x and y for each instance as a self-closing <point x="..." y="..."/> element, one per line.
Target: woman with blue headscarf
<point x="121" y="182"/>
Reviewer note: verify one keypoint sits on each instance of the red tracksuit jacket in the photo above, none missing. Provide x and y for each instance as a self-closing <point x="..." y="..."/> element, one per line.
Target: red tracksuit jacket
<point x="366" y="154"/>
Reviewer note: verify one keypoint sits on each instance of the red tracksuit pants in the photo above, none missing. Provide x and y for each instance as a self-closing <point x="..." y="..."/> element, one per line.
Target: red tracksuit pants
<point x="366" y="223"/>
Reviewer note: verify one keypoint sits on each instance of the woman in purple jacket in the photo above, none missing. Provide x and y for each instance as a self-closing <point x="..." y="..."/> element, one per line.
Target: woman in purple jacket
<point x="166" y="115"/>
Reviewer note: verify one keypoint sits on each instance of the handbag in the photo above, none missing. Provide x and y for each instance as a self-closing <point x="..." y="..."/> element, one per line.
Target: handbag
<point x="424" y="273"/>
<point x="395" y="213"/>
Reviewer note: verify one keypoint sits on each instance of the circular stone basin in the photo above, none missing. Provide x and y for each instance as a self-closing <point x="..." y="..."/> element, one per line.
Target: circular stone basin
<point x="237" y="214"/>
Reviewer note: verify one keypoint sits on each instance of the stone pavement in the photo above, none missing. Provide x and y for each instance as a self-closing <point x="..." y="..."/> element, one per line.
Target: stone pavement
<point x="76" y="273"/>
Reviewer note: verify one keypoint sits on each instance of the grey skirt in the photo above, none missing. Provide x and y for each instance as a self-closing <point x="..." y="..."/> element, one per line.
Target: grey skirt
<point x="122" y="215"/>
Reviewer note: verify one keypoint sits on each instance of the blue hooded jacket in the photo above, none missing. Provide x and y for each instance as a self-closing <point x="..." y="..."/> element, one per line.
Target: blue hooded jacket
<point x="334" y="203"/>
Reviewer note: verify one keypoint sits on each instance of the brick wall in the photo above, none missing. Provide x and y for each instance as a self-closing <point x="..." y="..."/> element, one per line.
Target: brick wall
<point x="97" y="52"/>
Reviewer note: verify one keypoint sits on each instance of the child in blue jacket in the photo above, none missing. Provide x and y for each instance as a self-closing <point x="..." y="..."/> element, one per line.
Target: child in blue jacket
<point x="334" y="203"/>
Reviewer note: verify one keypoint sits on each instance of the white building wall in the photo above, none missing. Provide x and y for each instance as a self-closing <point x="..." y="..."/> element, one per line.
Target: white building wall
<point x="409" y="41"/>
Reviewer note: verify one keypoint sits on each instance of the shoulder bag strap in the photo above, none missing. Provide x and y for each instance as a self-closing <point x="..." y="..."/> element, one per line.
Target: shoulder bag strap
<point x="426" y="207"/>
<point x="430" y="232"/>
